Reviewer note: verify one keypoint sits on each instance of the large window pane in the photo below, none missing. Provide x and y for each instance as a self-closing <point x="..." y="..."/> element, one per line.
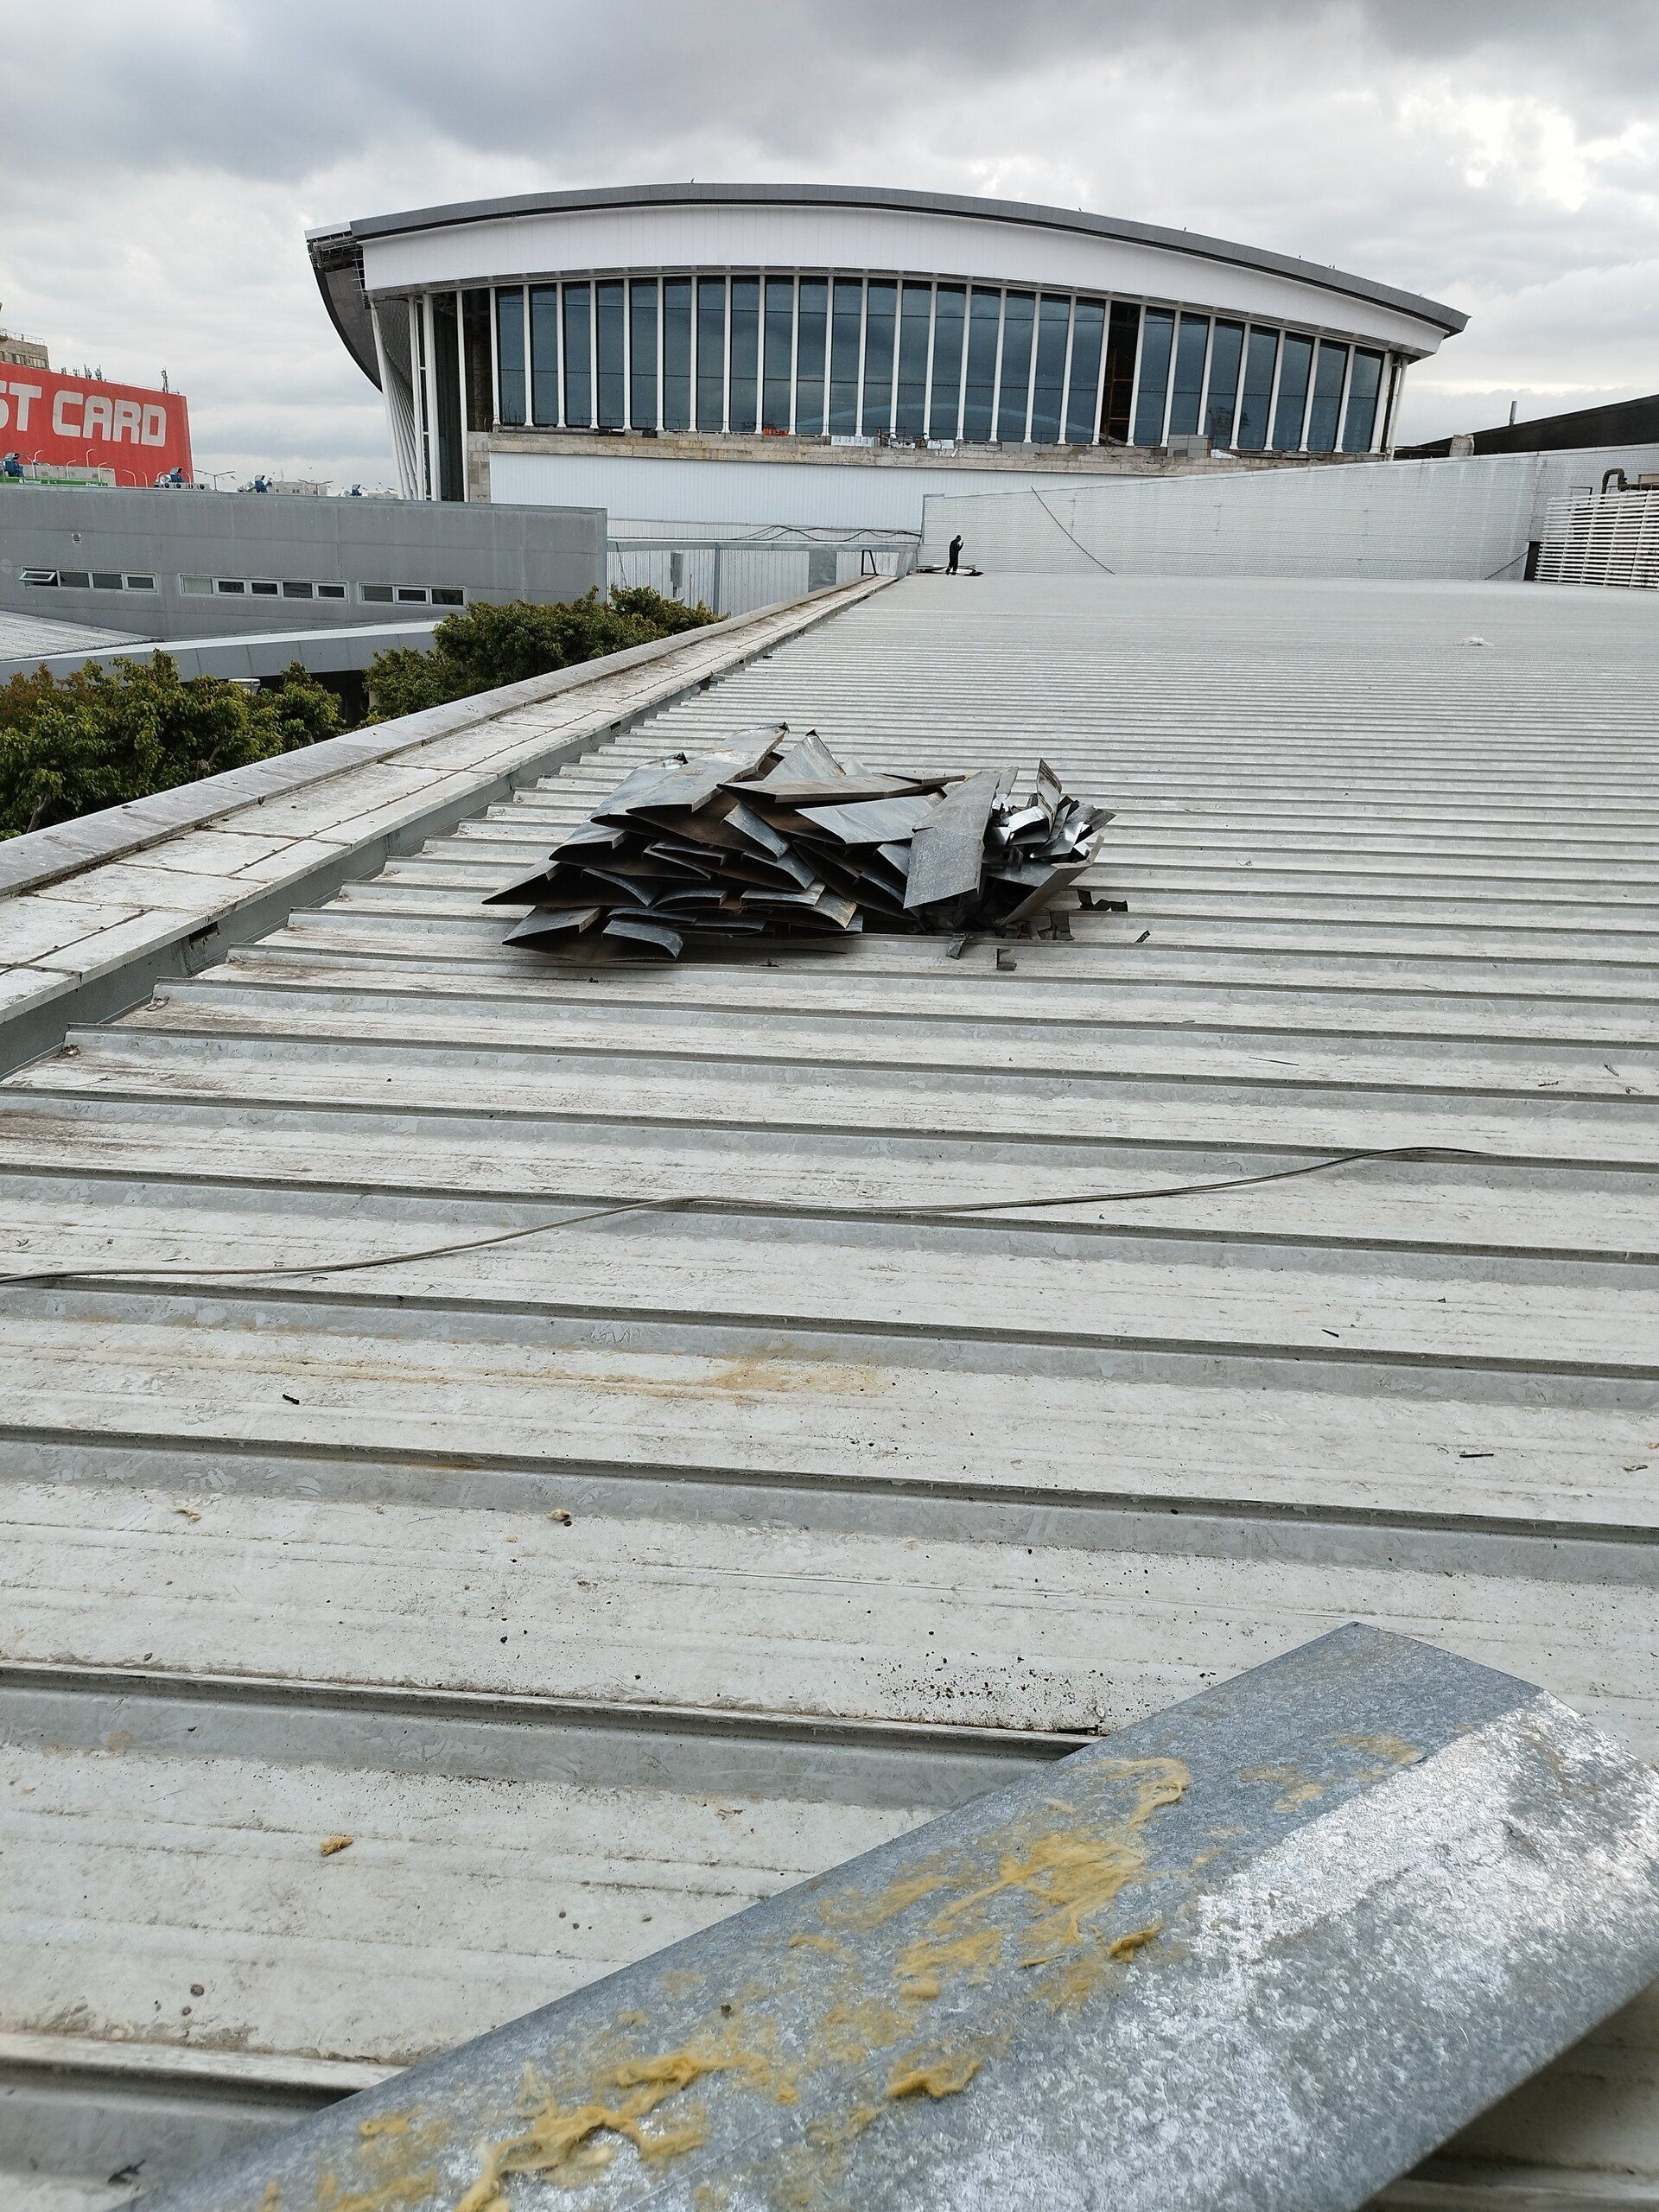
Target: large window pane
<point x="746" y="352"/>
<point x="1293" y="393"/>
<point x="609" y="353"/>
<point x="915" y="313"/>
<point x="578" y="379"/>
<point x="780" y="343"/>
<point x="1261" y="356"/>
<point x="1019" y="314"/>
<point x="544" y="352"/>
<point x="1156" y="344"/>
<point x="642" y="355"/>
<point x="1226" y="350"/>
<point x="676" y="352"/>
<point x="1048" y="382"/>
<point x="1088" y="329"/>
<point x="948" y="314"/>
<point x="481" y="380"/>
<point x="1363" y="385"/>
<point x="510" y="353"/>
<point x="983" y="319"/>
<point x="881" y="308"/>
<point x="844" y="358"/>
<point x="711" y="353"/>
<point x="1191" y="345"/>
<point x="445" y="366"/>
<point x="1117" y="400"/>
<point x="1327" y="398"/>
<point x="809" y="356"/>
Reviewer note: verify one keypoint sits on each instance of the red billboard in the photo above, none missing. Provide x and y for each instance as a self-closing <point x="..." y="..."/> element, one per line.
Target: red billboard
<point x="77" y="422"/>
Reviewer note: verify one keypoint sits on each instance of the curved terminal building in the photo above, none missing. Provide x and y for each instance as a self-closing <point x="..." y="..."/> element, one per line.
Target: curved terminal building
<point x="822" y="356"/>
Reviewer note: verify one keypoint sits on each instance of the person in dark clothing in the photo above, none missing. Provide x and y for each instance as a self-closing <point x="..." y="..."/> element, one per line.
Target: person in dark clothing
<point x="956" y="554"/>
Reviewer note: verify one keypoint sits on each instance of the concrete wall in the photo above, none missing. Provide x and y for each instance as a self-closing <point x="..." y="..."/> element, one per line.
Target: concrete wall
<point x="1473" y="517"/>
<point x="541" y="552"/>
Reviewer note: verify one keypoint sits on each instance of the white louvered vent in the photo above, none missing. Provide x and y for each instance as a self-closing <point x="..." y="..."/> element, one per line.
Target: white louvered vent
<point x="1595" y="537"/>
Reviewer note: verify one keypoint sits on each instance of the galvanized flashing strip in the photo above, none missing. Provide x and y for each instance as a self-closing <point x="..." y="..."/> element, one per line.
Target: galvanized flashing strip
<point x="1269" y="1947"/>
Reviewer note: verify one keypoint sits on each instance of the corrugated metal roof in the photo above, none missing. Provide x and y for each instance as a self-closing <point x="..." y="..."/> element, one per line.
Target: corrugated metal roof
<point x="862" y="1514"/>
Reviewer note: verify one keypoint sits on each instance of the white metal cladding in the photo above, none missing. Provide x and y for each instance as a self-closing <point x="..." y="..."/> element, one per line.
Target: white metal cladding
<point x="1472" y="517"/>
<point x="1595" y="537"/>
<point x="782" y="236"/>
<point x="597" y="1583"/>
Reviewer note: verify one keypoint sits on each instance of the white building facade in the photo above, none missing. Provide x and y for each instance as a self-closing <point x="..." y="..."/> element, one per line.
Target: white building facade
<point x="824" y="356"/>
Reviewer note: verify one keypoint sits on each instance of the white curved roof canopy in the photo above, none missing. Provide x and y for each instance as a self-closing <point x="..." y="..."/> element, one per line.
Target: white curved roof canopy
<point x="656" y="227"/>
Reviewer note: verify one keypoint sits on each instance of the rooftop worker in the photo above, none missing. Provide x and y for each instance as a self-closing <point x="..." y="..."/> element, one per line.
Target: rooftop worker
<point x="356" y="492"/>
<point x="956" y="554"/>
<point x="171" y="478"/>
<point x="11" y="466"/>
<point x="260" y="484"/>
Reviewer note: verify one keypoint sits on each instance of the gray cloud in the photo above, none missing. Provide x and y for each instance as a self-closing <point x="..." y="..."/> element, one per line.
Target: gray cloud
<point x="1500" y="157"/>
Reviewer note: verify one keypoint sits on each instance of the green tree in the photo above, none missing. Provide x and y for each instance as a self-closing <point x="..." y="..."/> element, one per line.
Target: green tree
<point x="105" y="736"/>
<point x="489" y="646"/>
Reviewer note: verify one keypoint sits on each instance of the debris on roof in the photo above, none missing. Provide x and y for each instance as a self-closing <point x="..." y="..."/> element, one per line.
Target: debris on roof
<point x="772" y="838"/>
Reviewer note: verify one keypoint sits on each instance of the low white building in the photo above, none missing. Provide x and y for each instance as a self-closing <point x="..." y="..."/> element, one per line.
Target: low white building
<point x="824" y="356"/>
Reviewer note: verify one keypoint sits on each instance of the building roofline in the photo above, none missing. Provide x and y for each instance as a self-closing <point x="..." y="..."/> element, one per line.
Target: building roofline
<point x="455" y="212"/>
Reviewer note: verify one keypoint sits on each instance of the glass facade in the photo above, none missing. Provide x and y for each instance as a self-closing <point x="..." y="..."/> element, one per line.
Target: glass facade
<point x="1330" y="374"/>
<point x="915" y="321"/>
<point x="847" y="356"/>
<point x="711" y="353"/>
<point x="642" y="354"/>
<point x="1014" y="379"/>
<point x="676" y="352"/>
<point x="780" y="353"/>
<point x="544" y="354"/>
<point x="510" y="352"/>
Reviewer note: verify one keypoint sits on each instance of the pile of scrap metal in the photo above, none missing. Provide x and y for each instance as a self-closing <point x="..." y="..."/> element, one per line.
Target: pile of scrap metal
<point x="777" y="837"/>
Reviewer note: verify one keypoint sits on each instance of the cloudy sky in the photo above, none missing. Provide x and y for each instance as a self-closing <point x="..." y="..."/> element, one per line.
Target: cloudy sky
<point x="158" y="180"/>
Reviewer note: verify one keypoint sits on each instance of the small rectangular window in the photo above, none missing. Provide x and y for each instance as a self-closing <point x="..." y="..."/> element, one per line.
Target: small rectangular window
<point x="106" y="580"/>
<point x="545" y="353"/>
<point x="1088" y="334"/>
<point x="746" y="352"/>
<point x="880" y="312"/>
<point x="676" y="352"/>
<point x="1192" y="347"/>
<point x="446" y="595"/>
<point x="1222" y="408"/>
<point x="376" y="594"/>
<point x="848" y="317"/>
<point x="944" y="407"/>
<point x="1261" y="356"/>
<point x="230" y="588"/>
<point x="1330" y="370"/>
<point x="711" y="353"/>
<point x="411" y="594"/>
<point x="331" y="591"/>
<point x="642" y="354"/>
<point x="265" y="591"/>
<point x="510" y="353"/>
<point x="578" y="382"/>
<point x="45" y="577"/>
<point x="195" y="586"/>
<point x="297" y="591"/>
<point x="141" y="583"/>
<point x="74" y="580"/>
<point x="810" y="343"/>
<point x="1048" y="382"/>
